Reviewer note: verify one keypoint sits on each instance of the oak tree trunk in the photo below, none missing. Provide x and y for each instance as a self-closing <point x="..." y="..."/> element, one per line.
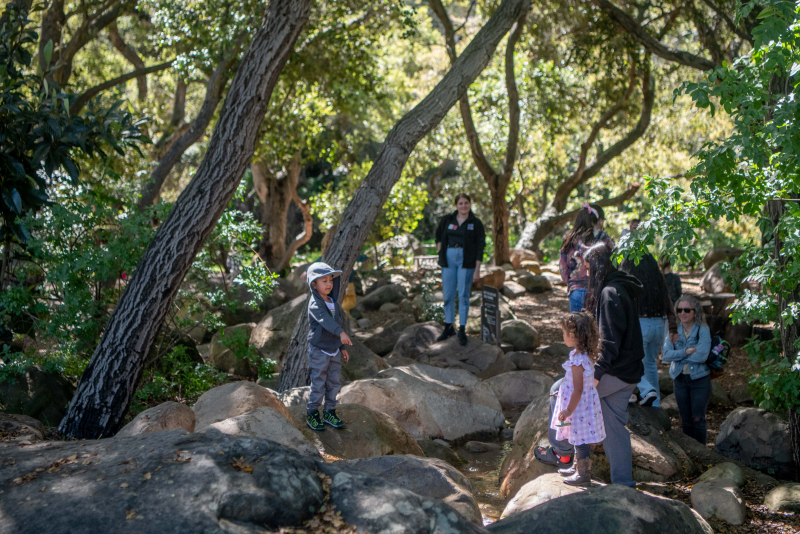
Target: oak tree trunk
<point x="360" y="214"/>
<point x="108" y="384"/>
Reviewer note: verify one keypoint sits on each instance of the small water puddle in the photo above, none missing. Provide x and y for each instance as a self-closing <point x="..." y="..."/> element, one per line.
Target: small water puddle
<point x="483" y="472"/>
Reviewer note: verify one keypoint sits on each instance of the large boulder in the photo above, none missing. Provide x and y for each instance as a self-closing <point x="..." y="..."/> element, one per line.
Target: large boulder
<point x="393" y="293"/>
<point x="475" y="356"/>
<point x="366" y="434"/>
<point x="430" y="402"/>
<point x="523" y="360"/>
<point x="267" y="423"/>
<point x="521" y="466"/>
<point x="718" y="254"/>
<point x="512" y="289"/>
<point x="21" y="428"/>
<point x="518" y="389"/>
<point x="535" y="283"/>
<point x="363" y="363"/>
<point x="727" y="470"/>
<point x="713" y="282"/>
<point x="272" y="334"/>
<point x="538" y="491"/>
<point x="230" y="400"/>
<point x="166" y="416"/>
<point x="224" y="359"/>
<point x="38" y="394"/>
<point x="520" y="335"/>
<point x="784" y="498"/>
<point x="156" y="483"/>
<point x="294" y="397"/>
<point x="759" y="439"/>
<point x="609" y="509"/>
<point x="282" y="292"/>
<point x="719" y="499"/>
<point x="436" y="449"/>
<point x="372" y="504"/>
<point x="384" y="338"/>
<point x="428" y="477"/>
<point x="415" y="340"/>
<point x="519" y="255"/>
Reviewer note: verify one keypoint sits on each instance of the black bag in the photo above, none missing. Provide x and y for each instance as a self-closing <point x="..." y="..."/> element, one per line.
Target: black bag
<point x="718" y="355"/>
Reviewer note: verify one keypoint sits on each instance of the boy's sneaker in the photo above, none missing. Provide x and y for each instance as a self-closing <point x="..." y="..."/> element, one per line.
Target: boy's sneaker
<point x="314" y="421"/>
<point x="649" y="398"/>
<point x="330" y="418"/>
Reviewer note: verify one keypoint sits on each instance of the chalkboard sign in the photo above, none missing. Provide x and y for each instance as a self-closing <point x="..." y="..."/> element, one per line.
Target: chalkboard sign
<point x="490" y="316"/>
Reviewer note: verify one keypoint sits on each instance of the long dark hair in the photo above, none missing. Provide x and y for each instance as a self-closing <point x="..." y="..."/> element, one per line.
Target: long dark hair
<point x="583" y="229"/>
<point x="598" y="257"/>
<point x="654" y="301"/>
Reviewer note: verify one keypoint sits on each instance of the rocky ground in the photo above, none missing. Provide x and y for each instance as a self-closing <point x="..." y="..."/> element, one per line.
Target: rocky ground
<point x="438" y="438"/>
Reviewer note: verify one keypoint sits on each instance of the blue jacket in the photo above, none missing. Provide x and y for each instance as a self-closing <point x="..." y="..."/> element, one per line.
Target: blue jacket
<point x="675" y="353"/>
<point x="324" y="330"/>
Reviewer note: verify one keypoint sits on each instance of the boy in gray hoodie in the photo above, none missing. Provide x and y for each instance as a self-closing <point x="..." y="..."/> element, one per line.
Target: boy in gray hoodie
<point x="326" y="341"/>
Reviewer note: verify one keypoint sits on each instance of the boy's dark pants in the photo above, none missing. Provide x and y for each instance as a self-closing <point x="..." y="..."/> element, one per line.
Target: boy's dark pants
<point x="325" y="373"/>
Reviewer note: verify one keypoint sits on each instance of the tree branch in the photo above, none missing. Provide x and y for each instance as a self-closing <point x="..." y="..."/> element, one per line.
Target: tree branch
<point x="214" y="89"/>
<point x="81" y="101"/>
<point x="567" y="186"/>
<point x="627" y="23"/>
<point x="129" y="54"/>
<point x="729" y="21"/>
<point x="308" y="221"/>
<point x="618" y="200"/>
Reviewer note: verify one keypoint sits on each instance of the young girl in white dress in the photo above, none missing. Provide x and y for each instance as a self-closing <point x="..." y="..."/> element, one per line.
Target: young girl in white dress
<point x="577" y="416"/>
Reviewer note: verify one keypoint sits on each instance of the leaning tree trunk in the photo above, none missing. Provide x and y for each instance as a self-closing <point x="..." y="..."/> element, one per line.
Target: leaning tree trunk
<point x="108" y="384"/>
<point x="373" y="192"/>
<point x="790" y="330"/>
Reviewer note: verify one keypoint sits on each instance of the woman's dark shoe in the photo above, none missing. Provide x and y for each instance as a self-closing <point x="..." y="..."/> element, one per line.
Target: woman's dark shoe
<point x="462" y="335"/>
<point x="448" y="332"/>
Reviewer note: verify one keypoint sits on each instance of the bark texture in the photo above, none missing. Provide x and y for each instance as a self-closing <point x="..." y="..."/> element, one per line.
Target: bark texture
<point x="496" y="181"/>
<point x="108" y="384"/>
<point x="214" y="90"/>
<point x="553" y="216"/>
<point x="650" y="43"/>
<point x="373" y="192"/>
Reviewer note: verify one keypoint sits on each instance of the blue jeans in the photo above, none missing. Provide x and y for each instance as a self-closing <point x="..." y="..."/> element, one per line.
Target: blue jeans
<point x="576" y="300"/>
<point x="692" y="397"/>
<point x="455" y="277"/>
<point x="653" y="338"/>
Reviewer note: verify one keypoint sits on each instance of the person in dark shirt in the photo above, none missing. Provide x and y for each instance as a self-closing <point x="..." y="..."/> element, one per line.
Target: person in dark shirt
<point x="672" y="279"/>
<point x="460" y="239"/>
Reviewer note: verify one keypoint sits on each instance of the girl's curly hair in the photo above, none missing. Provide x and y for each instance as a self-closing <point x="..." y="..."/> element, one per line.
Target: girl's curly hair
<point x="584" y="328"/>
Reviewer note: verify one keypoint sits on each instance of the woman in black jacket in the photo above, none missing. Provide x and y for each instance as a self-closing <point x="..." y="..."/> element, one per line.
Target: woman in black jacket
<point x="611" y="298"/>
<point x="460" y="239"/>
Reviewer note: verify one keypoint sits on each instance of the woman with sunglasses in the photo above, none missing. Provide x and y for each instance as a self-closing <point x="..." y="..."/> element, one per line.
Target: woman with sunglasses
<point x="687" y="357"/>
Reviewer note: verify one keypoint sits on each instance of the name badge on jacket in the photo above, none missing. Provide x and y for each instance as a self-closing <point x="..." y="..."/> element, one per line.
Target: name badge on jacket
<point x="470" y="227"/>
<point x="453" y="227"/>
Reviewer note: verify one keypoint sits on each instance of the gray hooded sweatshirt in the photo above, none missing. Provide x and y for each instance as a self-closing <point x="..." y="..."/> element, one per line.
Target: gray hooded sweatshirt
<point x="324" y="330"/>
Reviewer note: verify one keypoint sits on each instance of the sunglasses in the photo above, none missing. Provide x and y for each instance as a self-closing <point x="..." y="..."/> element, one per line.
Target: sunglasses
<point x="684" y="310"/>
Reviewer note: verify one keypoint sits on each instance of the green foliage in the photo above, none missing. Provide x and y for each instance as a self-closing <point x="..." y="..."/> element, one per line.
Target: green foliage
<point x="431" y="311"/>
<point x="734" y="179"/>
<point x="176" y="377"/>
<point x="38" y="135"/>
<point x="238" y="342"/>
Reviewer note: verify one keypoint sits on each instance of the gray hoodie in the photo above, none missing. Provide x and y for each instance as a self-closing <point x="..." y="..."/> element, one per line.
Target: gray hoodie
<point x="324" y="330"/>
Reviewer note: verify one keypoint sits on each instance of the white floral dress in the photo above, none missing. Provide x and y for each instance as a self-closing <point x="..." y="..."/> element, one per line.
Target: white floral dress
<point x="587" y="419"/>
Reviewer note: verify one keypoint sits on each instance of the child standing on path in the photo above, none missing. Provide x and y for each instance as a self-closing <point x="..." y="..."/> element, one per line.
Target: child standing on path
<point x="578" y="417"/>
<point x="326" y="341"/>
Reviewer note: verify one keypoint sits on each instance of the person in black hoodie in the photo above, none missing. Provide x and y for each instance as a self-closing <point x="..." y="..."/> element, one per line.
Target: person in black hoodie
<point x="461" y="239"/>
<point x="611" y="298"/>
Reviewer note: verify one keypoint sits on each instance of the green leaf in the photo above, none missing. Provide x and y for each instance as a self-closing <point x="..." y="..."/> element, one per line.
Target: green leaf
<point x="48" y="52"/>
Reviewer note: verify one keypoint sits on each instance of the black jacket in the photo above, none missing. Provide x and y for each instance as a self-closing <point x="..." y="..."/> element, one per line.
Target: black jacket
<point x="618" y="318"/>
<point x="474" y="239"/>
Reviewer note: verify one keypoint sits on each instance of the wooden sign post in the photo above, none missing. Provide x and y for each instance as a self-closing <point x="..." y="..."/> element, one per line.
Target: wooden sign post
<point x="490" y="316"/>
